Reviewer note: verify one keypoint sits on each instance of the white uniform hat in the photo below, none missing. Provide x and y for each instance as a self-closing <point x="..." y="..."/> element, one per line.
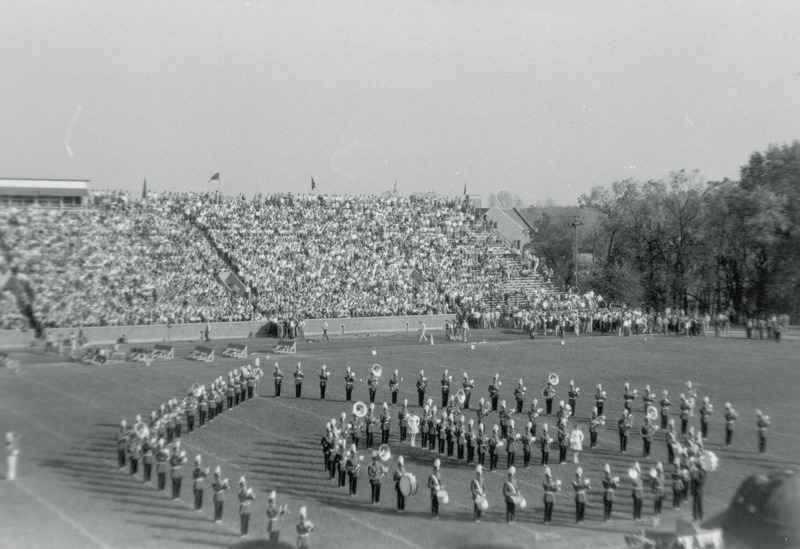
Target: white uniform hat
<point x="579" y="471"/>
<point x="478" y="469"/>
<point x="512" y="470"/>
<point x="437" y="463"/>
<point x="242" y="481"/>
<point x="400" y="460"/>
<point x="302" y="512"/>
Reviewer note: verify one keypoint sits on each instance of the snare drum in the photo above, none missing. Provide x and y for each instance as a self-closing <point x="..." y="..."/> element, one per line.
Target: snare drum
<point x="408" y="484"/>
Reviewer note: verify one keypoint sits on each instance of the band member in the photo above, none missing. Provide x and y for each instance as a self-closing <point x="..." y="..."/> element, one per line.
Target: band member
<point x="550" y="487"/>
<point x="445" y="435"/>
<point x="647" y="436"/>
<point x="691" y="397"/>
<point x="369" y="424"/>
<point x="623" y="425"/>
<point x="549" y="393"/>
<point x="544" y="443"/>
<point x="494" y="391"/>
<point x="581" y="485"/>
<point x="494" y="440"/>
<point x="274" y="514"/>
<point x="657" y="485"/>
<point x="246" y="495"/>
<point x="527" y="444"/>
<point x="452" y="406"/>
<point x="237" y="390"/>
<point x="122" y="443"/>
<point x="672" y="441"/>
<point x="134" y="453"/>
<point x="763" y="427"/>
<point x="218" y="400"/>
<point x="304" y="529"/>
<point x="576" y="442"/>
<point x="202" y="408"/>
<point x="685" y="411"/>
<point x="510" y="492"/>
<point x="219" y="486"/>
<point x="386" y="424"/>
<point x="342" y="453"/>
<point x="678" y="486"/>
<point x="698" y="476"/>
<point x="648" y="397"/>
<point x="434" y="422"/>
<point x="519" y="395"/>
<point x="595" y="423"/>
<point x="730" y="419"/>
<point x="398" y="474"/>
<point x="563" y="441"/>
<point x="199" y="475"/>
<point x="251" y="382"/>
<point x="572" y="394"/>
<point x="162" y="462"/>
<point x="482" y="443"/>
<point x="665" y="405"/>
<point x="482" y="411"/>
<point x="376" y="471"/>
<point x="191" y="414"/>
<point x="394" y="386"/>
<point x="460" y="436"/>
<point x="511" y="444"/>
<point x="353" y="468"/>
<point x="505" y="416"/>
<point x="323" y="381"/>
<point x="599" y="399"/>
<point x="176" y="473"/>
<point x="354" y="429"/>
<point x="629" y="396"/>
<point x="609" y="484"/>
<point x="446" y="388"/>
<point x="467" y="385"/>
<point x="372" y="385"/>
<point x="533" y="415"/>
<point x="637" y="492"/>
<point x="422" y="384"/>
<point x="470" y="440"/>
<point x="298" y="381"/>
<point x="435" y="484"/>
<point x="278" y="381"/>
<point x="349" y="382"/>
<point x="478" y="489"/>
<point x="705" y="413"/>
<point x="148" y="458"/>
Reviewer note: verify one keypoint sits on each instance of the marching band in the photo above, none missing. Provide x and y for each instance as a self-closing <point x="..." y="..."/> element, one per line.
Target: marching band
<point x="159" y="443"/>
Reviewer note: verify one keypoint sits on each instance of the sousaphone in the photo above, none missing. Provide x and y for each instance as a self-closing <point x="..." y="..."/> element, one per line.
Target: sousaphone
<point x="461" y="396"/>
<point x="652" y="413"/>
<point x="376" y="370"/>
<point x="359" y="409"/>
<point x="384" y="452"/>
<point x="553" y="379"/>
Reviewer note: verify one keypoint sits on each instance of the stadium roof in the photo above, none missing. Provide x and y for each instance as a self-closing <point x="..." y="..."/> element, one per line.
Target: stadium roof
<point x="43" y="187"/>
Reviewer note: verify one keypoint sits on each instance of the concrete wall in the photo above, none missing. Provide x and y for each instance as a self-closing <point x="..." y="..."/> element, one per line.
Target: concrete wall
<point x="16" y="338"/>
<point x="234" y="330"/>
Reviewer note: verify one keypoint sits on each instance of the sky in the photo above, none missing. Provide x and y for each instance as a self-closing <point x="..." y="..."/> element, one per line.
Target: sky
<point x="541" y="99"/>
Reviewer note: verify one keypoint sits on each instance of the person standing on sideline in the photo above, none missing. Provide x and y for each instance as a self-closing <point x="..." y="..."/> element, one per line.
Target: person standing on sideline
<point x="274" y="513"/>
<point x="304" y="529"/>
<point x="478" y="489"/>
<point x="12" y="453"/>
<point x="278" y="381"/>
<point x="422" y="336"/>
<point x="246" y="495"/>
<point x="298" y="381"/>
<point x="325" y="331"/>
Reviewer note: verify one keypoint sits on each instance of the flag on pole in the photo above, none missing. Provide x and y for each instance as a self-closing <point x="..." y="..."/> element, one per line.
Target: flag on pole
<point x="313" y="183"/>
<point x="144" y="189"/>
<point x="395" y="185"/>
<point x="465" y="188"/>
<point x="214" y="177"/>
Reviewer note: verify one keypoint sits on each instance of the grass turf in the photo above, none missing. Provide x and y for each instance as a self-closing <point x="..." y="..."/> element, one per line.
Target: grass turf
<point x="71" y="494"/>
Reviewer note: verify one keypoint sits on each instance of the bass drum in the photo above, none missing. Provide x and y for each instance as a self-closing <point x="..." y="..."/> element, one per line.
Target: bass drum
<point x="442" y="496"/>
<point x="482" y="503"/>
<point x="408" y="485"/>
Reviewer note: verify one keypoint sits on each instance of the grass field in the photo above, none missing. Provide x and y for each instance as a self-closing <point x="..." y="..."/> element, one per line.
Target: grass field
<point x="71" y="494"/>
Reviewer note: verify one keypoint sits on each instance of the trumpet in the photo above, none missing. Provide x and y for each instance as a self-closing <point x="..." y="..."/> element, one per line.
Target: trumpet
<point x="553" y="379"/>
<point x="376" y="370"/>
<point x="359" y="409"/>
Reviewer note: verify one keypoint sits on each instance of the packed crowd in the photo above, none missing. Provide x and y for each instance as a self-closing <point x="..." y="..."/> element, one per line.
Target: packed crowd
<point x="10" y="316"/>
<point x="116" y="263"/>
<point x="335" y="256"/>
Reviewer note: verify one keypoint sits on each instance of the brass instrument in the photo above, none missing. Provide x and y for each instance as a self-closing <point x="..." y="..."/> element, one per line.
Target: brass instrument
<point x="461" y="396"/>
<point x="652" y="413"/>
<point x="376" y="370"/>
<point x="553" y="379"/>
<point x="385" y="452"/>
<point x="359" y="409"/>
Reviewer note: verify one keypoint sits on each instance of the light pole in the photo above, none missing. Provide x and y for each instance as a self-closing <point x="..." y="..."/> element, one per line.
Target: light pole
<point x="575" y="224"/>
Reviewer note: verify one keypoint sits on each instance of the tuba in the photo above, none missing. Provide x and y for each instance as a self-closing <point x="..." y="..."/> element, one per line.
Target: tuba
<point x="385" y="452"/>
<point x="359" y="409"/>
<point x="652" y="413"/>
<point x="553" y="379"/>
<point x="461" y="396"/>
<point x="197" y="390"/>
<point x="376" y="370"/>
